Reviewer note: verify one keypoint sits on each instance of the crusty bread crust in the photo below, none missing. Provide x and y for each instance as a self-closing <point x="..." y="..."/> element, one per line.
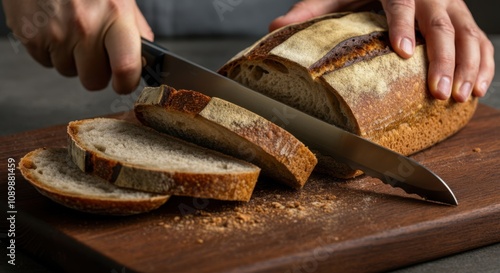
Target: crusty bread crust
<point x="86" y="203"/>
<point x="237" y="186"/>
<point x="228" y="128"/>
<point x="343" y="70"/>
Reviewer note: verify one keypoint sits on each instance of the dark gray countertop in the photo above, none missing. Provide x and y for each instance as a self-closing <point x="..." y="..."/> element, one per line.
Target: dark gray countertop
<point x="36" y="97"/>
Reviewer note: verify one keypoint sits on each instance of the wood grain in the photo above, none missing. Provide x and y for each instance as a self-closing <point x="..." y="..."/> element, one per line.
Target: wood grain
<point x="360" y="225"/>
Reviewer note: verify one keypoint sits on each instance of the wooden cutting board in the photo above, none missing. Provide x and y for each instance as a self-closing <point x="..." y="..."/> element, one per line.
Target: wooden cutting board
<point x="357" y="225"/>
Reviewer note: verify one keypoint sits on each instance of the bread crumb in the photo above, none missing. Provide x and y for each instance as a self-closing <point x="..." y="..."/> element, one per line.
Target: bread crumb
<point x="317" y="201"/>
<point x="476" y="150"/>
<point x="332" y="197"/>
<point x="243" y="217"/>
<point x="277" y="205"/>
<point x="294" y="204"/>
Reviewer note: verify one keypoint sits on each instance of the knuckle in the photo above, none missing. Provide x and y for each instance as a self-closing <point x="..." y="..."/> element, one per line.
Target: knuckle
<point x="78" y="21"/>
<point x="488" y="65"/>
<point x="445" y="63"/>
<point x="305" y="7"/>
<point x="468" y="66"/>
<point x="447" y="60"/>
<point x="471" y="31"/>
<point x="114" y="7"/>
<point x="489" y="46"/>
<point x="402" y="23"/>
<point x="127" y="67"/>
<point x="82" y="26"/>
<point x="442" y="24"/>
<point x="57" y="36"/>
<point x="398" y="5"/>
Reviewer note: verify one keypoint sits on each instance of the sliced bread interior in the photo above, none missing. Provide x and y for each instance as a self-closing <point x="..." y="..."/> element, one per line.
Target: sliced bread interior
<point x="220" y="125"/>
<point x="54" y="175"/>
<point x="137" y="157"/>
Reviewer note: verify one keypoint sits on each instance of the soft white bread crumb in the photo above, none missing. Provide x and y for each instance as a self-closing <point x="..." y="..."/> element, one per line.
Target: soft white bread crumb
<point x="55" y="176"/>
<point x="137" y="157"/>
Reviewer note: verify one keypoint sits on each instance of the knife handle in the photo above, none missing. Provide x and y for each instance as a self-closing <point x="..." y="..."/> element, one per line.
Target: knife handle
<point x="152" y="58"/>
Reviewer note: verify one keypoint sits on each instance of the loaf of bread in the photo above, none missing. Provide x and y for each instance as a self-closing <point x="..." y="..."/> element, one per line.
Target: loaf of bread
<point x="137" y="157"/>
<point x="220" y="125"/>
<point x="341" y="68"/>
<point x="53" y="174"/>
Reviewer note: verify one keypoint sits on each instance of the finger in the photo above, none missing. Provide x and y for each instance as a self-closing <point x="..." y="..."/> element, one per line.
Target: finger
<point x="92" y="64"/>
<point x="401" y="20"/>
<point x="307" y="9"/>
<point x="144" y="28"/>
<point x="486" y="68"/>
<point x="60" y="47"/>
<point x="40" y="54"/>
<point x="38" y="49"/>
<point x="123" y="45"/>
<point x="303" y="11"/>
<point x="62" y="59"/>
<point x="468" y="56"/>
<point x="439" y="33"/>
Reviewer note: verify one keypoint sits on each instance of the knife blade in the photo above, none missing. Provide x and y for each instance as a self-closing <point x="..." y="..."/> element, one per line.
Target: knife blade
<point x="164" y="66"/>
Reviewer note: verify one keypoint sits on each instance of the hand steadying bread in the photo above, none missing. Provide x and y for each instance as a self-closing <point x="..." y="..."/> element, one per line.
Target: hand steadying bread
<point x="460" y="55"/>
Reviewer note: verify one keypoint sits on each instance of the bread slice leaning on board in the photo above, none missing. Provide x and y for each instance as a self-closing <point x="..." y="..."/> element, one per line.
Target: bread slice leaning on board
<point x="137" y="157"/>
<point x="220" y="125"/>
<point x="340" y="68"/>
<point x="54" y="175"/>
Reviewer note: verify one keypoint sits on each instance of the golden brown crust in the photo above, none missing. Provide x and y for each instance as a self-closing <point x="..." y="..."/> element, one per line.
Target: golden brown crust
<point x="228" y="186"/>
<point x="355" y="49"/>
<point x="276" y="151"/>
<point x="374" y="93"/>
<point x="184" y="100"/>
<point x="87" y="203"/>
<point x="279" y="36"/>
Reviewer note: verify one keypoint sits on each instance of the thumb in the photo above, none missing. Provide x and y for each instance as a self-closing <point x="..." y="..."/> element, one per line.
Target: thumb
<point x="144" y="28"/>
<point x="302" y="11"/>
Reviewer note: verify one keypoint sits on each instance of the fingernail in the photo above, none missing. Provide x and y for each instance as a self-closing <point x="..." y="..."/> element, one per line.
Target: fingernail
<point x="444" y="86"/>
<point x="407" y="46"/>
<point x="484" y="87"/>
<point x="465" y="90"/>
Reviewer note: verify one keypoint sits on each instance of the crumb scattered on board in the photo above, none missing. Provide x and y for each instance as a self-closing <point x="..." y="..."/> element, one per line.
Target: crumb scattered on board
<point x="317" y="201"/>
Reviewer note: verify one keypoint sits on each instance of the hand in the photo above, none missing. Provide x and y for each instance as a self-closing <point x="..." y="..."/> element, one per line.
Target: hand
<point x="94" y="39"/>
<point x="460" y="55"/>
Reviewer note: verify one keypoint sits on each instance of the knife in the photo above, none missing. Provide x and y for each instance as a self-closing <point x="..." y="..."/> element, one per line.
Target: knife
<point x="163" y="66"/>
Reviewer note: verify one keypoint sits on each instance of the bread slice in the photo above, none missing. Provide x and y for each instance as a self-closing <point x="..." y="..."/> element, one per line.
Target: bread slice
<point x="341" y="68"/>
<point x="217" y="124"/>
<point x="53" y="174"/>
<point x="137" y="157"/>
